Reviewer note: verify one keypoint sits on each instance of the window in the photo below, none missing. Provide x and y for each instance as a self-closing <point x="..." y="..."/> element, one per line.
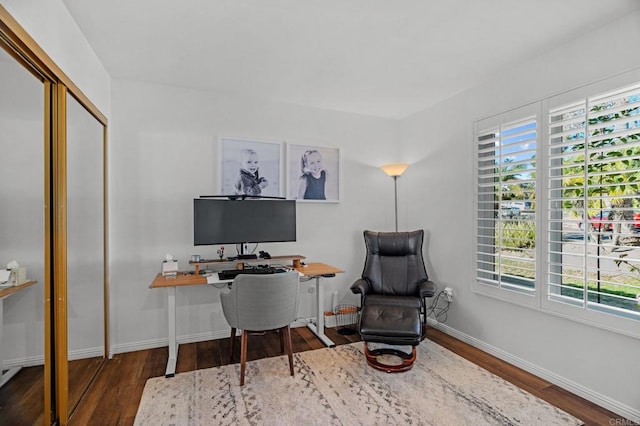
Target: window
<point x="594" y="196"/>
<point x="506" y="204"/>
<point x="558" y="219"/>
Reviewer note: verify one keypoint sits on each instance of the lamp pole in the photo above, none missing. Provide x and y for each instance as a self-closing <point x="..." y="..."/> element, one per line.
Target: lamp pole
<point x="395" y="192"/>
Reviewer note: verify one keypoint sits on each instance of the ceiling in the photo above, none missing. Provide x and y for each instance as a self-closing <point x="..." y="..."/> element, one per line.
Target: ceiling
<point x="376" y="57"/>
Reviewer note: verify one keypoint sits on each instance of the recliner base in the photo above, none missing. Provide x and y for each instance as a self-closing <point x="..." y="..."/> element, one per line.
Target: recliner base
<point x="405" y="365"/>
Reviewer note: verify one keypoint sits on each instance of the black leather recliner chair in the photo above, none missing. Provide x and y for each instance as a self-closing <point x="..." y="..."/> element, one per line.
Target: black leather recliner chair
<point x="393" y="290"/>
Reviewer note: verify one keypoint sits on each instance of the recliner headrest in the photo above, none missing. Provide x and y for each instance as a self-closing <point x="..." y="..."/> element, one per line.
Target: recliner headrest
<point x="394" y="243"/>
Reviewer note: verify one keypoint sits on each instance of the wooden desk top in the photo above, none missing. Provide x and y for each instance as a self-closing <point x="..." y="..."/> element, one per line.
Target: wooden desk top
<point x="182" y="279"/>
<point x="186" y="278"/>
<point x="10" y="290"/>
<point x="315" y="269"/>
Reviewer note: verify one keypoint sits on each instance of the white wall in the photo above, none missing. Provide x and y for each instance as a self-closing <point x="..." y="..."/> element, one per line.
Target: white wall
<point x="49" y="23"/>
<point x="598" y="364"/>
<point x="163" y="154"/>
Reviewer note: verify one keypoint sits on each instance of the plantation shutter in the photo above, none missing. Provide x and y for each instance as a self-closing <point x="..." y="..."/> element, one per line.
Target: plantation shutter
<point x="594" y="204"/>
<point x="505" y="205"/>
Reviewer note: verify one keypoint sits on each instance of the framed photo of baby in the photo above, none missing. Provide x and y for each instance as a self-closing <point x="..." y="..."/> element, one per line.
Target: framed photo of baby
<point x="313" y="173"/>
<point x="251" y="168"/>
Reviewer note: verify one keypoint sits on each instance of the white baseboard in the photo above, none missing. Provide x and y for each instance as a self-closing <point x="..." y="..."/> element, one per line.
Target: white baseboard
<point x="569" y="385"/>
<point x="329" y="321"/>
<point x="86" y="353"/>
<point x="39" y="360"/>
<point x="158" y="343"/>
<point x="190" y="338"/>
<point x="23" y="362"/>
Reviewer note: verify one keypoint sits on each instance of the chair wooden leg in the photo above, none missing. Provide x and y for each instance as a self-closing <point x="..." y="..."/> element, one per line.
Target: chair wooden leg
<point x="243" y="355"/>
<point x="280" y="333"/>
<point x="287" y="332"/>
<point x="232" y="342"/>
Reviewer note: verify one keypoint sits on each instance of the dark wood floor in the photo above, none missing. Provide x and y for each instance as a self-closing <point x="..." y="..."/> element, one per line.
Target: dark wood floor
<point x="114" y="395"/>
<point x="22" y="398"/>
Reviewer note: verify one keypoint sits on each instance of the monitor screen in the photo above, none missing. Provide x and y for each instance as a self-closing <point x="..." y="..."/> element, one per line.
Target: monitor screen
<point x="218" y="221"/>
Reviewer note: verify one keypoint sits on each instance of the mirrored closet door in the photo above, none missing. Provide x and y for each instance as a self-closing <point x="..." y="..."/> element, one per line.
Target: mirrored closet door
<point x="85" y="248"/>
<point x="54" y="328"/>
<point x="22" y="242"/>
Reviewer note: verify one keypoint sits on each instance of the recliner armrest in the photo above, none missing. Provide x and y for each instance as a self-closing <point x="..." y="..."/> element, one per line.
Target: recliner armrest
<point x="361" y="286"/>
<point x="427" y="289"/>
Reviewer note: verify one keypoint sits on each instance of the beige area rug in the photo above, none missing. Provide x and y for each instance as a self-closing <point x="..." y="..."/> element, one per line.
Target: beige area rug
<point x="337" y="387"/>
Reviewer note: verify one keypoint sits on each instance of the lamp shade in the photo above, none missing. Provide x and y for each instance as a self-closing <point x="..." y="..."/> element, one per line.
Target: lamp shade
<point x="395" y="169"/>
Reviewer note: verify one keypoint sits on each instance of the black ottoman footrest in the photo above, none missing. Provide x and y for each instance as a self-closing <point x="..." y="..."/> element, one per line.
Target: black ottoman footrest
<point x="393" y="325"/>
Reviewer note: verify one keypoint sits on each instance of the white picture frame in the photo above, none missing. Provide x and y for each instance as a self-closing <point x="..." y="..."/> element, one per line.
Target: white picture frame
<point x="234" y="154"/>
<point x="318" y="180"/>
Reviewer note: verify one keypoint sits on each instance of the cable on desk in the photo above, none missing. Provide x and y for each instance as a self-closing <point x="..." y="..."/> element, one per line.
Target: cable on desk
<point x="219" y="285"/>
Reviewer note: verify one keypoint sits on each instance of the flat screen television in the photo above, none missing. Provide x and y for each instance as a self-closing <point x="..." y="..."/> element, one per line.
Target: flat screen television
<point x="220" y="221"/>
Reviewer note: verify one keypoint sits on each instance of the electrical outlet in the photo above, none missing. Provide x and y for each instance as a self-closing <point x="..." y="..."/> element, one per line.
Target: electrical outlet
<point x="448" y="293"/>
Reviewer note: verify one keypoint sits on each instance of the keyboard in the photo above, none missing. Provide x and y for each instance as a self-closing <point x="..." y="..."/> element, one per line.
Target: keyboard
<point x="229" y="274"/>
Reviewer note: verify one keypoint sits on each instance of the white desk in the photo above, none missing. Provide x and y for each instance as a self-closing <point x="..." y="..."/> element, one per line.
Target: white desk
<point x="4" y="293"/>
<point x="312" y="270"/>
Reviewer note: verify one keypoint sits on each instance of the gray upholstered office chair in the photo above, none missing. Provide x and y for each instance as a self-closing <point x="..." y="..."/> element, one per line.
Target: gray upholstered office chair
<point x="260" y="303"/>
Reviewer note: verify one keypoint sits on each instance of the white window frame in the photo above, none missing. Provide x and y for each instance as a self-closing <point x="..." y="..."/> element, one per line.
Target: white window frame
<point x="538" y="299"/>
<point x="504" y="291"/>
<point x="604" y="320"/>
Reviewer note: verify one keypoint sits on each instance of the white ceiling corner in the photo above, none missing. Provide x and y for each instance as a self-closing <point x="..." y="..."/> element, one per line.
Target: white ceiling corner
<point x="374" y="57"/>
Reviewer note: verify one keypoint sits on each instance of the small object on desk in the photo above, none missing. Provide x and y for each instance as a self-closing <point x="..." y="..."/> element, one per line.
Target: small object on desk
<point x="4" y="275"/>
<point x="221" y="252"/>
<point x="18" y="274"/>
<point x="195" y="258"/>
<point x="229" y="274"/>
<point x="169" y="267"/>
<point x="247" y="256"/>
<point x="265" y="254"/>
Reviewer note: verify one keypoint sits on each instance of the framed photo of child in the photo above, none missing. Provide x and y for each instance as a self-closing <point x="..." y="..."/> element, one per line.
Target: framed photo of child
<point x="313" y="173"/>
<point x="251" y="168"/>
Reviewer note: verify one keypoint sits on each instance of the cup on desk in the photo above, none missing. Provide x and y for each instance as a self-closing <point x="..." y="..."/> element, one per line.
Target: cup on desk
<point x="195" y="258"/>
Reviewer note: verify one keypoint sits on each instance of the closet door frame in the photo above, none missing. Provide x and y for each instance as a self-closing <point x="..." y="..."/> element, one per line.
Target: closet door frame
<point x="17" y="42"/>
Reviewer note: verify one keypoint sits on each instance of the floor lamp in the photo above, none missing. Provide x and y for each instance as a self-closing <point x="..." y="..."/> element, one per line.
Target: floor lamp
<point x="395" y="170"/>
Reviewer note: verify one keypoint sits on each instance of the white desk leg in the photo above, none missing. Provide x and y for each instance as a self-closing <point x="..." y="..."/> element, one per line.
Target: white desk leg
<point x="173" y="344"/>
<point x="4" y="378"/>
<point x="318" y="328"/>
